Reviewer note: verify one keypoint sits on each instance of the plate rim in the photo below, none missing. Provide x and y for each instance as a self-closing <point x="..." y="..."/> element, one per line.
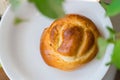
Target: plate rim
<point x="2" y="20"/>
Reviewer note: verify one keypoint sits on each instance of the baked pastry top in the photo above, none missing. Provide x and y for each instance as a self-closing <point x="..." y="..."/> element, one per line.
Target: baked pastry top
<point x="69" y="42"/>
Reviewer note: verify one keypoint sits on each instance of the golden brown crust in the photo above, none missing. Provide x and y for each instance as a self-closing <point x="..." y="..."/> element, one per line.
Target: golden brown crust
<point x="69" y="42"/>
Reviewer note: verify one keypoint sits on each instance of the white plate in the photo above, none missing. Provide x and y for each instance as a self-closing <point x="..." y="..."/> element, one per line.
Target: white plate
<point x="19" y="45"/>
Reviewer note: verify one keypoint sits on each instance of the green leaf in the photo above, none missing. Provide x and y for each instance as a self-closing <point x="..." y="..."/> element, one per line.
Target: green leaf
<point x="103" y="4"/>
<point x="15" y="4"/>
<point x="50" y="8"/>
<point x="116" y="54"/>
<point x="108" y="63"/>
<point x="102" y="45"/>
<point x="31" y="0"/>
<point x="111" y="30"/>
<point x="117" y="36"/>
<point x="18" y="20"/>
<point x="113" y="8"/>
<point x="0" y="65"/>
<point x="112" y="34"/>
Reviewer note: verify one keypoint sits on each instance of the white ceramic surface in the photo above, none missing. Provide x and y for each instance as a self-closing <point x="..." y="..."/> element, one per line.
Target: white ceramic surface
<point x="19" y="44"/>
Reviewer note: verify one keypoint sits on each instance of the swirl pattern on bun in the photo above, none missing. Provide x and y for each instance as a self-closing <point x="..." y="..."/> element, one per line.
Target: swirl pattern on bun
<point x="69" y="42"/>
